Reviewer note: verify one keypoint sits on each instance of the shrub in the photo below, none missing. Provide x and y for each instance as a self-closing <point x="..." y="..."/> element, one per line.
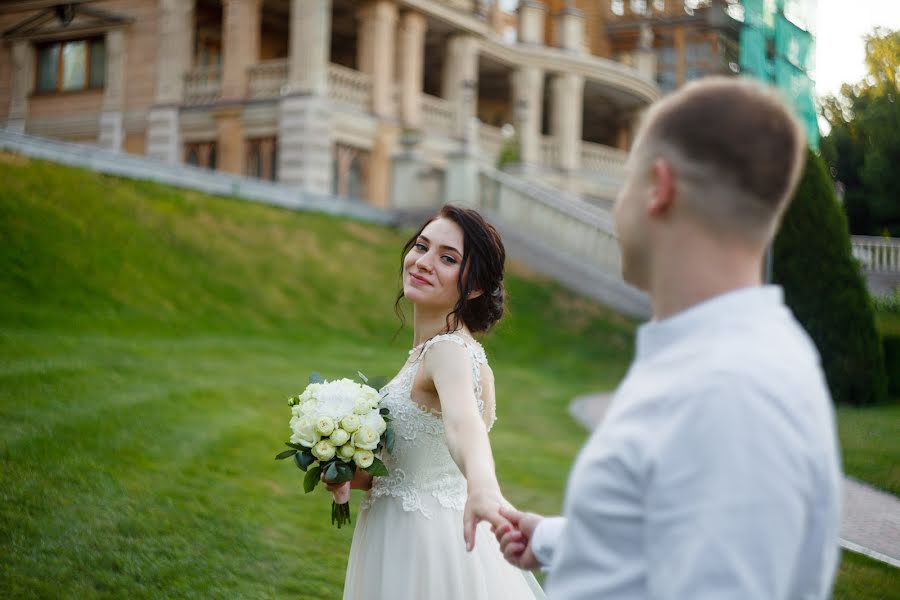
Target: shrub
<point x="825" y="288"/>
<point x="891" y="346"/>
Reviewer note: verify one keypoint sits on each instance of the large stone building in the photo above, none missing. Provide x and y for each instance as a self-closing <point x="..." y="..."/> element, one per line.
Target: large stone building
<point x="324" y="94"/>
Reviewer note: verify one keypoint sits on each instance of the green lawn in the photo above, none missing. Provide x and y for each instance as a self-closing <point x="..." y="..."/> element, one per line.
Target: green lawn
<point x="862" y="578"/>
<point x="148" y="340"/>
<point x="870" y="443"/>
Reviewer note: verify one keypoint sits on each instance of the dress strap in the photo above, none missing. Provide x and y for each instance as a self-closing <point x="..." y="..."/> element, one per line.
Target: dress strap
<point x="476" y="353"/>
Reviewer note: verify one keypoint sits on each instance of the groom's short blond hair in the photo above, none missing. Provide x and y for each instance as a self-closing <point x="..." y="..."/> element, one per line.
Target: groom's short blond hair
<point x="735" y="147"/>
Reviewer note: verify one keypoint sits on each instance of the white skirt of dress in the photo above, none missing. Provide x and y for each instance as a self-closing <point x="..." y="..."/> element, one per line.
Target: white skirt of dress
<point x="403" y="555"/>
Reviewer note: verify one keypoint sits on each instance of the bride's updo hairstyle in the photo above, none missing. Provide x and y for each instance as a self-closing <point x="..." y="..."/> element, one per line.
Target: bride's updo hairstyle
<point x="481" y="269"/>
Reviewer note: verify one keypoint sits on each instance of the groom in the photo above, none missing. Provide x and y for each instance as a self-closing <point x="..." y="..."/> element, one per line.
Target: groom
<point x="715" y="474"/>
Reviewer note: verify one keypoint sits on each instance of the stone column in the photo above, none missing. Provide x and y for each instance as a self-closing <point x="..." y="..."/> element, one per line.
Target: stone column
<point x="532" y="14"/>
<point x="304" y="114"/>
<point x="528" y="98"/>
<point x="566" y="119"/>
<point x="377" y="52"/>
<point x="570" y="30"/>
<point x="411" y="58"/>
<point x="230" y="139"/>
<point x="644" y="56"/>
<point x="461" y="179"/>
<point x="626" y="129"/>
<point x="22" y="80"/>
<point x="112" y="132"/>
<point x="460" y="81"/>
<point x="240" y="45"/>
<point x="174" y="57"/>
<point x="680" y="58"/>
<point x="240" y="51"/>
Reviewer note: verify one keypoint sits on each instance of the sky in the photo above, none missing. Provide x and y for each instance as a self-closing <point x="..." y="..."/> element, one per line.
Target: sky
<point x="839" y="47"/>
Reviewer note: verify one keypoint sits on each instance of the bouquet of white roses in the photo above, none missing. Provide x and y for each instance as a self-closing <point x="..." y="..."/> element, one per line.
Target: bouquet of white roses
<point x="338" y="427"/>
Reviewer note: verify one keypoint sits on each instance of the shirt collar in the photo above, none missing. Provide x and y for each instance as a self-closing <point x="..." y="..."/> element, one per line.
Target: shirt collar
<point x="736" y="304"/>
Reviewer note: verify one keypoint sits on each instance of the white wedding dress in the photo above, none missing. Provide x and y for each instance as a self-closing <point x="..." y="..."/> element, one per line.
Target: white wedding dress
<point x="408" y="542"/>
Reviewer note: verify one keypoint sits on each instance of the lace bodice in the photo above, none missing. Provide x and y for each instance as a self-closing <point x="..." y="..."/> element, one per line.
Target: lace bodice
<point x="420" y="465"/>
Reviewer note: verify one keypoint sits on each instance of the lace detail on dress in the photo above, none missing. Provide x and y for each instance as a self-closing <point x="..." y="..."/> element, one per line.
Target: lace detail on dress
<point x="421" y="465"/>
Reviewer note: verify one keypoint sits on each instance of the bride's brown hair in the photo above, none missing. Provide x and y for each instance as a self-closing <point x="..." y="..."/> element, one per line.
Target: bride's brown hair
<point x="481" y="270"/>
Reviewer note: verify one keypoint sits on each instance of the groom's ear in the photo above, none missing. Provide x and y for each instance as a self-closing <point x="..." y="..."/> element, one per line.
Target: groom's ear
<point x="663" y="187"/>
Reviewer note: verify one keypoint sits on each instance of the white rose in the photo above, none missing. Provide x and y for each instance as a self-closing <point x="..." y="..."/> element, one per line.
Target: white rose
<point x="324" y="450"/>
<point x="350" y="423"/>
<point x="365" y="438"/>
<point x="336" y="399"/>
<point x="325" y="425"/>
<point x="362" y="406"/>
<point x="339" y="437"/>
<point x="346" y="452"/>
<point x="305" y="431"/>
<point x="371" y="396"/>
<point x="375" y="421"/>
<point x="297" y="410"/>
<point x="363" y="458"/>
<point x="309" y="393"/>
<point x="308" y="409"/>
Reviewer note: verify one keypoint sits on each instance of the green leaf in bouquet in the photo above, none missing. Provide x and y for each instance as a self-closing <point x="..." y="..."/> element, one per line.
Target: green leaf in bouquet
<point x="331" y="472"/>
<point x="316" y="378"/>
<point x="312" y="479"/>
<point x="389" y="439"/>
<point x="285" y="454"/>
<point x="299" y="447"/>
<point x="383" y="411"/>
<point x="345" y="471"/>
<point x="304" y="459"/>
<point x="377" y="469"/>
<point x="362" y="377"/>
<point x="338" y="471"/>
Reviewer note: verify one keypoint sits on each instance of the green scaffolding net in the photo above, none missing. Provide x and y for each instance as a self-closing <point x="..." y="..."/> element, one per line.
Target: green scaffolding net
<point x="777" y="46"/>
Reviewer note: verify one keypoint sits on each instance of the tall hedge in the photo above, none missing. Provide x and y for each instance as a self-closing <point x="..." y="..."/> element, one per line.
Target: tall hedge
<point x="825" y="288"/>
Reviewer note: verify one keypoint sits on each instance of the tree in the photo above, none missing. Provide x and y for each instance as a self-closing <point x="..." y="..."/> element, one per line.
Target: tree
<point x="863" y="148"/>
<point x="826" y="291"/>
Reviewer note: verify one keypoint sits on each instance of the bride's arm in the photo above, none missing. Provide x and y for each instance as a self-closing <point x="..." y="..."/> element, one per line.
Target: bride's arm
<point x="448" y="366"/>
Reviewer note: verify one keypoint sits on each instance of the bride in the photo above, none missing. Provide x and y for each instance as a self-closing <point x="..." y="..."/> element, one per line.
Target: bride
<point x="416" y="535"/>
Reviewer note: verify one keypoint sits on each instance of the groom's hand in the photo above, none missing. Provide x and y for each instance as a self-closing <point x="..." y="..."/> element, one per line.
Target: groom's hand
<point x="515" y="538"/>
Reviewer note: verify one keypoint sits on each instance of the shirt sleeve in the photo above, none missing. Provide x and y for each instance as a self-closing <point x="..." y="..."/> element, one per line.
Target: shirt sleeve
<point x="545" y="538"/>
<point x="725" y="503"/>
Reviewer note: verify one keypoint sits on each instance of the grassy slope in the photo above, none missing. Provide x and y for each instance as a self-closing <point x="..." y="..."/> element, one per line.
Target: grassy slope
<point x="148" y="338"/>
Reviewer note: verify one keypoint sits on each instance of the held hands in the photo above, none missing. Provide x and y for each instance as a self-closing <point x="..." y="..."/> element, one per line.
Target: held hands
<point x="515" y="537"/>
<point x="484" y="504"/>
<point x="341" y="491"/>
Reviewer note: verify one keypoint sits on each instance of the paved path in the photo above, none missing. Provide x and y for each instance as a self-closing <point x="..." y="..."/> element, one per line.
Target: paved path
<point x="871" y="520"/>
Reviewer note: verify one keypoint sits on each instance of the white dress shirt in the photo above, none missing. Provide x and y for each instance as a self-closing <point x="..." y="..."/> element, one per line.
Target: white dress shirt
<point x="714" y="475"/>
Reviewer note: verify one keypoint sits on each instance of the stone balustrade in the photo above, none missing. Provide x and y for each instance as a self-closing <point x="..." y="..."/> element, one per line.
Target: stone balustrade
<point x="350" y="87"/>
<point x="549" y="152"/>
<point x="438" y="115"/>
<point x="267" y="78"/>
<point x="877" y="254"/>
<point x="490" y="142"/>
<point x="567" y="224"/>
<point x="597" y="157"/>
<point x="203" y="85"/>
